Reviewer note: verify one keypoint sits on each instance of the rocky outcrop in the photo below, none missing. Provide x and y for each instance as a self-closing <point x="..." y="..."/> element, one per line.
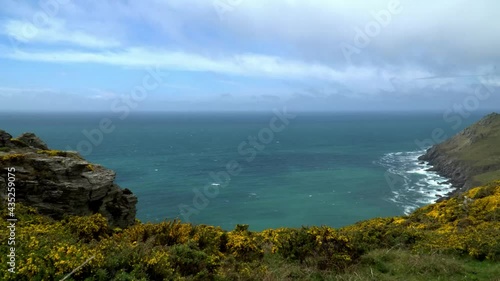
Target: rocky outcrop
<point x="450" y="167"/>
<point x="5" y="138"/>
<point x="470" y="158"/>
<point x="61" y="183"/>
<point x="33" y="141"/>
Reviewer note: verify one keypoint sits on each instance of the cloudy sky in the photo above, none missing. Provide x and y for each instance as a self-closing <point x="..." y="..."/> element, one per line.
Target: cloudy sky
<point x="95" y="55"/>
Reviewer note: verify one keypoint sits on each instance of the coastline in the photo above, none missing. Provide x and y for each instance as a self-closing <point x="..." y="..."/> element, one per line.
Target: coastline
<point x="172" y="250"/>
<point x="470" y="158"/>
<point x="455" y="171"/>
<point x="417" y="186"/>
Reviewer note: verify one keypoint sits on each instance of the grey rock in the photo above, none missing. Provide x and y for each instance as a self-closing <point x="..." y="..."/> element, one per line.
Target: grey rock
<point x="60" y="186"/>
<point x="5" y="139"/>
<point x="33" y="141"/>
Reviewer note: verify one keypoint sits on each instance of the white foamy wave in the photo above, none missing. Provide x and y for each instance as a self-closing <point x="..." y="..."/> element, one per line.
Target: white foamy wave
<point x="253" y="195"/>
<point x="416" y="185"/>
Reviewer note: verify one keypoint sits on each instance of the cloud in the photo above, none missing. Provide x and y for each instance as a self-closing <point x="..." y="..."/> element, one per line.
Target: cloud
<point x="361" y="79"/>
<point x="270" y="97"/>
<point x="54" y="33"/>
<point x="425" y="35"/>
<point x="490" y="80"/>
<point x="100" y="94"/>
<point x="34" y="99"/>
<point x="274" y="48"/>
<point x="256" y="65"/>
<point x="428" y="34"/>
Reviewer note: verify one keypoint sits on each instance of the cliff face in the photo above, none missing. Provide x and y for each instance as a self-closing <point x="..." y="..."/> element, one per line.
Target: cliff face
<point x="470" y="158"/>
<point x="60" y="183"/>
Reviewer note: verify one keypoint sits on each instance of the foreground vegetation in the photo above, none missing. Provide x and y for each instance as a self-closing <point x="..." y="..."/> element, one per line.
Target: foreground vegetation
<point x="457" y="239"/>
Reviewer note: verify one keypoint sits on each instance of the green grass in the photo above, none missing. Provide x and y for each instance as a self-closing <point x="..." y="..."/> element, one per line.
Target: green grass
<point x="379" y="265"/>
<point x="404" y="265"/>
<point x="478" y="146"/>
<point x="487" y="177"/>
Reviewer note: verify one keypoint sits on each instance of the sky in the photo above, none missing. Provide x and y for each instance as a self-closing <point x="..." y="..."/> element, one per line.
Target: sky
<point x="242" y="55"/>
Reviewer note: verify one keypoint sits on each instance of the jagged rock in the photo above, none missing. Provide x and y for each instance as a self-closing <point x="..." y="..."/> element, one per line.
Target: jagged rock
<point x="32" y="140"/>
<point x="5" y="139"/>
<point x="64" y="184"/>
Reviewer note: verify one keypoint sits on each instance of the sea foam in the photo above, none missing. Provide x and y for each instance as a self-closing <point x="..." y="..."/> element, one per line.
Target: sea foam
<point x="416" y="185"/>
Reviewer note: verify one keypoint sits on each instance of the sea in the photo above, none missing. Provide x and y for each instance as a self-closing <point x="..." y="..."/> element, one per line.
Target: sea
<point x="265" y="169"/>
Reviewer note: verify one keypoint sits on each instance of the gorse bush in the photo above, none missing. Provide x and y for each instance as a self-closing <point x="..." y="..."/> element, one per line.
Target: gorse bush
<point x="463" y="227"/>
<point x="188" y="260"/>
<point x="89" y="228"/>
<point x="467" y="225"/>
<point x="323" y="245"/>
<point x="244" y="244"/>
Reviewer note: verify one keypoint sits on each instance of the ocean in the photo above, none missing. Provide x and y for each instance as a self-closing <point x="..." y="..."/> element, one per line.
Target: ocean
<point x="225" y="169"/>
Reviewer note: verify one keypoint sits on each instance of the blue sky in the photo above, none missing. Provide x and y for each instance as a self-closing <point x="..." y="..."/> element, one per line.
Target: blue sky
<point x="67" y="55"/>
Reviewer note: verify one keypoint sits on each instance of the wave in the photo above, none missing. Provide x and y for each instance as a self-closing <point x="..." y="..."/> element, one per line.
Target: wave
<point x="415" y="185"/>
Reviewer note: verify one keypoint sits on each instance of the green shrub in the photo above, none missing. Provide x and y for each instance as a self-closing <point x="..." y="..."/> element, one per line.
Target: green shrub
<point x="88" y="228"/>
<point x="436" y="242"/>
<point x="189" y="261"/>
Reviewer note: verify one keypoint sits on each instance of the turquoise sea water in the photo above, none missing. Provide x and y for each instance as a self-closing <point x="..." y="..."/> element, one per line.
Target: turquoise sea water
<point x="323" y="168"/>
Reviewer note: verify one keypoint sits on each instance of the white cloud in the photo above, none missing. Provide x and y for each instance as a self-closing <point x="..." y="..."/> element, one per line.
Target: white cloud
<point x="241" y="64"/>
<point x="292" y="40"/>
<point x="100" y="94"/>
<point x="364" y="79"/>
<point x="425" y="32"/>
<point x="490" y="80"/>
<point x="54" y="33"/>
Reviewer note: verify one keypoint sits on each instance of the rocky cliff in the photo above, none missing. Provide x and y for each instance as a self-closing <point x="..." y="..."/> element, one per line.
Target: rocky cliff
<point x="470" y="158"/>
<point x="60" y="183"/>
